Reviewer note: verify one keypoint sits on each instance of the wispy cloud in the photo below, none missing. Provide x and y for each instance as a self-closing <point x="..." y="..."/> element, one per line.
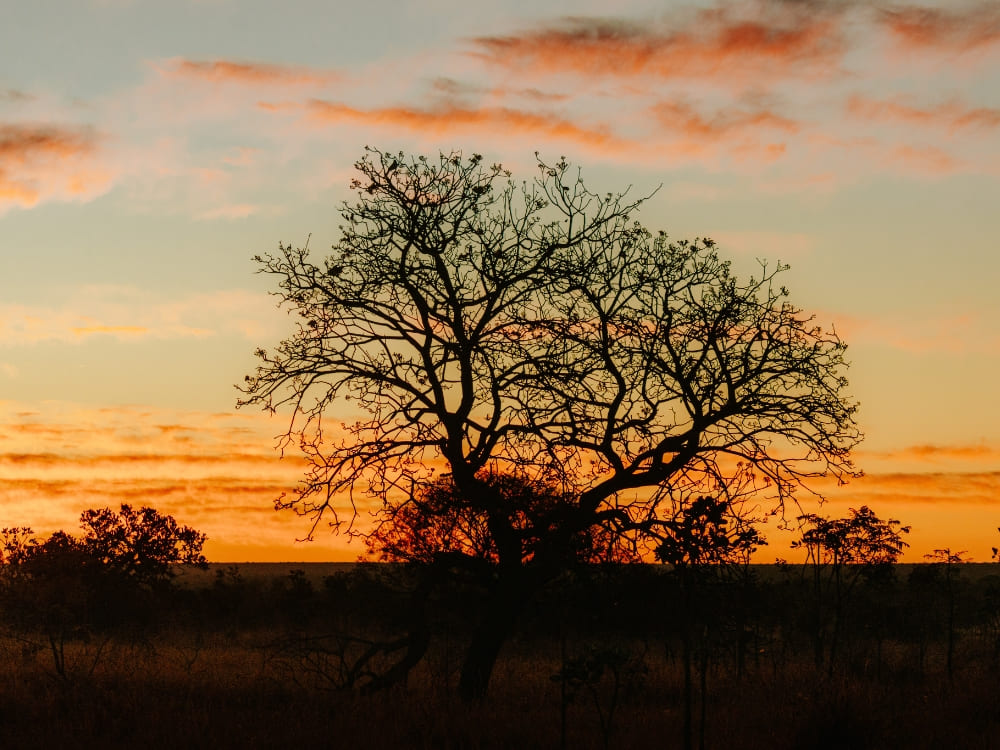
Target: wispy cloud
<point x="233" y="211"/>
<point x="129" y="313"/>
<point x="118" y="331"/>
<point x="15" y="96"/>
<point x="741" y="133"/>
<point x="455" y="119"/>
<point x="950" y="115"/>
<point x="21" y="144"/>
<point x="940" y="454"/>
<point x="929" y="160"/>
<point x="979" y="488"/>
<point x="683" y="117"/>
<point x="919" y="334"/>
<point x="47" y="161"/>
<point x="24" y="324"/>
<point x="959" y="30"/>
<point x="777" y="245"/>
<point x="246" y="73"/>
<point x="720" y="43"/>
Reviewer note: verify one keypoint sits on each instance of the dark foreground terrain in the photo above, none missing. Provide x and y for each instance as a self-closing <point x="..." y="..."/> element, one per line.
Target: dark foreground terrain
<point x="276" y="657"/>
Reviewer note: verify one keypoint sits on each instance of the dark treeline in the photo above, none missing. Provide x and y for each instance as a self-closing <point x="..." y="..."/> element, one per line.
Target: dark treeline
<point x="605" y="656"/>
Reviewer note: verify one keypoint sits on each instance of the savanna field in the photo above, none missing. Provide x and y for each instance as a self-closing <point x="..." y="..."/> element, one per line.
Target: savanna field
<point x="284" y="656"/>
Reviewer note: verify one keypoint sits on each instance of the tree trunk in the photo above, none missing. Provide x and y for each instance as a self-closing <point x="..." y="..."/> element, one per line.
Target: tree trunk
<point x="703" y="686"/>
<point x="493" y="629"/>
<point x="687" y="648"/>
<point x="687" y="729"/>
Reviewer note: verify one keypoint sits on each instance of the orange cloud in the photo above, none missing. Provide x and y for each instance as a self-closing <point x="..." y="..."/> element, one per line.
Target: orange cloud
<point x="233" y="211"/>
<point x="725" y="123"/>
<point x="227" y="71"/>
<point x="450" y="118"/>
<point x="278" y="106"/>
<point x="20" y="144"/>
<point x="162" y="463"/>
<point x="918" y="334"/>
<point x="40" y="161"/>
<point x="981" y="488"/>
<point x="941" y="453"/>
<point x="951" y="115"/>
<point x="83" y="331"/>
<point x="15" y="95"/>
<point x="925" y="159"/>
<point x="963" y="30"/>
<point x="714" y="43"/>
<point x="777" y="245"/>
<point x="451" y="89"/>
<point x="734" y="129"/>
<point x="20" y="324"/>
<point x="89" y="311"/>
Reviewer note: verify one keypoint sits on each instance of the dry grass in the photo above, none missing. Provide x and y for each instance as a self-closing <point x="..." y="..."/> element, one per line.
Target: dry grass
<point x="227" y="667"/>
<point x="224" y="692"/>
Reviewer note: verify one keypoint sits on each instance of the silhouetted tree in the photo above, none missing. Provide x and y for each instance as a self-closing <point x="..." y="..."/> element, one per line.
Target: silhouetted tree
<point x="141" y="544"/>
<point x="15" y="541"/>
<point x="704" y="536"/>
<point x="948" y="560"/>
<point x="65" y="584"/>
<point x="605" y="673"/>
<point x="438" y="524"/>
<point x="449" y="535"/>
<point x="847" y="548"/>
<point x="536" y="330"/>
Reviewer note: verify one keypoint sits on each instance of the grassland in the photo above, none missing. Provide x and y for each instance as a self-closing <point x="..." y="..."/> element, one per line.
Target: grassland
<point x="255" y="657"/>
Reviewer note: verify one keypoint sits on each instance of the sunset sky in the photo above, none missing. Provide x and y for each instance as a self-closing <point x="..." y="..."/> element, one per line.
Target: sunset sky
<point x="149" y="149"/>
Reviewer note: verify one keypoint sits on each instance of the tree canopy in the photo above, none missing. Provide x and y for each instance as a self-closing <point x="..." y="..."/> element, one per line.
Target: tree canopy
<point x="861" y="538"/>
<point x="141" y="545"/>
<point x="482" y="326"/>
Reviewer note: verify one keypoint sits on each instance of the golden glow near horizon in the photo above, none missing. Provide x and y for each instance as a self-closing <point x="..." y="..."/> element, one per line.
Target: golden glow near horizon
<point x="148" y="150"/>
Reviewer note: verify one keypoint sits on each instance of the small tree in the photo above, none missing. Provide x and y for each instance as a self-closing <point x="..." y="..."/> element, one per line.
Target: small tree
<point x="449" y="533"/>
<point x="15" y="542"/>
<point x="703" y="537"/>
<point x="537" y="330"/>
<point x="859" y="544"/>
<point x="64" y="583"/>
<point x="948" y="560"/>
<point x="437" y="523"/>
<point x="707" y="532"/>
<point x="140" y="544"/>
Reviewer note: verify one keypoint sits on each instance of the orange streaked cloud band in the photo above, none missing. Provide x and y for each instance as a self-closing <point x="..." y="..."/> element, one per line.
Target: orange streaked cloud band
<point x="450" y="118"/>
<point x="961" y="29"/>
<point x="250" y="73"/>
<point x="714" y="43"/>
